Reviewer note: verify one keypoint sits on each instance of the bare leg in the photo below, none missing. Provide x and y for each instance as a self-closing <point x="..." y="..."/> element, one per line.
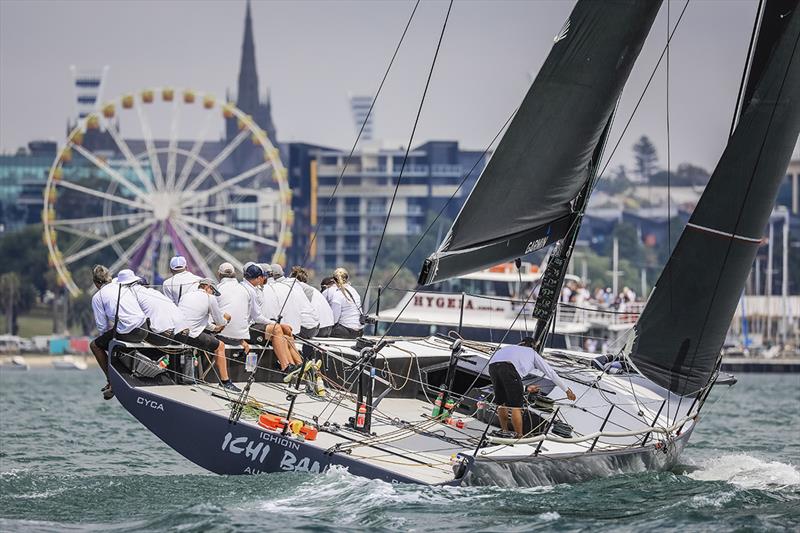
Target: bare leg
<point x="222" y="363"/>
<point x="502" y="414"/>
<point x="279" y="345"/>
<point x="516" y="420"/>
<point x="287" y="332"/>
<point x="102" y="358"/>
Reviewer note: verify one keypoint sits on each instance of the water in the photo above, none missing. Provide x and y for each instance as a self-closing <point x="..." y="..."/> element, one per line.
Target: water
<point x="71" y="462"/>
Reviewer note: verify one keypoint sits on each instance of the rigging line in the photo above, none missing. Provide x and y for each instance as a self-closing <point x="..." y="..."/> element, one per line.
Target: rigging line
<point x="444" y="207"/>
<point x="747" y="65"/>
<point x="745" y="198"/>
<point x="644" y="91"/>
<point x="361" y="130"/>
<point x="313" y="238"/>
<point x="669" y="172"/>
<point x="507" y="331"/>
<point x="410" y="141"/>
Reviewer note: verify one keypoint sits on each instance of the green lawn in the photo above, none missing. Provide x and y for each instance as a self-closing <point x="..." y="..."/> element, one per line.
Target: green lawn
<point x="38" y="322"/>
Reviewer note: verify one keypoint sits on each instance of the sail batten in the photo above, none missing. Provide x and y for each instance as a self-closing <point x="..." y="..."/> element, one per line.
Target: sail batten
<point x="680" y="333"/>
<point x="523" y="199"/>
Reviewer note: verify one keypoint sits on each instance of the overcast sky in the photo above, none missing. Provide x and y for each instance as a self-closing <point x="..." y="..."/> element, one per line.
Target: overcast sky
<point x="310" y="54"/>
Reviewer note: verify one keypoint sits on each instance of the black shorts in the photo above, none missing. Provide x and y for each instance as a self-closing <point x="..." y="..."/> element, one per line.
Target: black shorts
<point x="507" y="384"/>
<point x="136" y="335"/>
<point x="205" y="341"/>
<point x="308" y="333"/>
<point x="343" y="332"/>
<point x="325" y="332"/>
<point x="257" y="334"/>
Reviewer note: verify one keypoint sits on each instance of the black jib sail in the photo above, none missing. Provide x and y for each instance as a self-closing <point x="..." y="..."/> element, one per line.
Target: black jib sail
<point x="522" y="201"/>
<point x="680" y="334"/>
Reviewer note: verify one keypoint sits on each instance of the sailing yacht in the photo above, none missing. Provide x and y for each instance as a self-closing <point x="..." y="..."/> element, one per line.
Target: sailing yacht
<point x="419" y="410"/>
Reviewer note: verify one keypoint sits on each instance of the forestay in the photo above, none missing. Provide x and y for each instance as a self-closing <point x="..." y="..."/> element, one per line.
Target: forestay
<point x="522" y="201"/>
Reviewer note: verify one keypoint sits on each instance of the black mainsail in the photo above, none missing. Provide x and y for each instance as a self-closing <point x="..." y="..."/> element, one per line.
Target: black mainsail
<point x="680" y="333"/>
<point x="523" y="201"/>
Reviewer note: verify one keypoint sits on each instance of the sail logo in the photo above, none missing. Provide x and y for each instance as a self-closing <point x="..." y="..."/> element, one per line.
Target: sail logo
<point x="562" y="32"/>
<point x="152" y="404"/>
<point x="535" y="245"/>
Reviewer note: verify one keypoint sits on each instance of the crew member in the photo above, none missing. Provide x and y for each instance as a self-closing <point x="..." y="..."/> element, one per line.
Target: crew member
<point x="345" y="303"/>
<point x="118" y="315"/>
<point x="508" y="366"/>
<point x="181" y="282"/>
<point x="164" y="318"/>
<point x="233" y="299"/>
<point x="197" y="305"/>
<point x="317" y="300"/>
<point x="262" y="328"/>
<point x="297" y="305"/>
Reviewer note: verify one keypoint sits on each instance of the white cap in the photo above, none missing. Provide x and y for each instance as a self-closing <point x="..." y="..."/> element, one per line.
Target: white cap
<point x="178" y="262"/>
<point x="277" y="270"/>
<point x="226" y="268"/>
<point x="126" y="277"/>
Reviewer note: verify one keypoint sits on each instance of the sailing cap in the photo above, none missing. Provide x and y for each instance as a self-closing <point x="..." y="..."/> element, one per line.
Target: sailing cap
<point x="267" y="268"/>
<point x="253" y="271"/>
<point x="127" y="277"/>
<point x="226" y="268"/>
<point x="277" y="270"/>
<point x="177" y="263"/>
<point x="211" y="283"/>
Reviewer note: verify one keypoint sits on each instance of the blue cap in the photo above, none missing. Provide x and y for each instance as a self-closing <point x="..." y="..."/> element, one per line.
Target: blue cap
<point x="253" y="271"/>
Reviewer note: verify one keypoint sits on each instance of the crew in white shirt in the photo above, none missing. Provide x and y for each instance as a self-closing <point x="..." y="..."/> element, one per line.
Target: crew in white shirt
<point x="298" y="308"/>
<point x="264" y="329"/>
<point x="164" y="318"/>
<point x="345" y="303"/>
<point x="318" y="301"/>
<point x="197" y="306"/>
<point x="116" y="313"/>
<point x="181" y="282"/>
<point x="234" y="300"/>
<point x="507" y="367"/>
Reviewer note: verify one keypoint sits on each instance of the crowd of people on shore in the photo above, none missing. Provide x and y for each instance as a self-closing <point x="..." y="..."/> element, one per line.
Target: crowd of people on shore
<point x="264" y="308"/>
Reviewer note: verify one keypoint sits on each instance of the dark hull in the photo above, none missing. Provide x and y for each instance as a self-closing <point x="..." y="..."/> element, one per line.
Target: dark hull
<point x="209" y="440"/>
<point x="575" y="468"/>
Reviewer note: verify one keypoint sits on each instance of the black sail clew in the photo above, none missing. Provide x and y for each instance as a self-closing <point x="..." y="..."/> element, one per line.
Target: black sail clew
<point x="680" y="333"/>
<point x="522" y="201"/>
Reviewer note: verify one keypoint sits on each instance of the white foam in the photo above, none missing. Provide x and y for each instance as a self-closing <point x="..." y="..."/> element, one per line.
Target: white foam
<point x="549" y="516"/>
<point x="716" y="500"/>
<point x="747" y="472"/>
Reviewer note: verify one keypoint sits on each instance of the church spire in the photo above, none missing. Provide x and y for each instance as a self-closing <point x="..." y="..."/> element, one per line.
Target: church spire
<point x="247" y="99"/>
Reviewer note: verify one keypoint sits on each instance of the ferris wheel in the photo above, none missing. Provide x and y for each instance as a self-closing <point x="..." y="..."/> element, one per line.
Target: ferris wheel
<point x="134" y="202"/>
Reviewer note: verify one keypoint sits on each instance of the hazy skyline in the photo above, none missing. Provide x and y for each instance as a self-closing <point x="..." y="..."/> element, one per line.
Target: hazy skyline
<point x="310" y="54"/>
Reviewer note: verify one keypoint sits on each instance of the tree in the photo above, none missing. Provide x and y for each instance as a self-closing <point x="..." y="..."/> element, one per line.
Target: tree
<point x="617" y="183"/>
<point x="646" y="158"/>
<point x="10" y="294"/>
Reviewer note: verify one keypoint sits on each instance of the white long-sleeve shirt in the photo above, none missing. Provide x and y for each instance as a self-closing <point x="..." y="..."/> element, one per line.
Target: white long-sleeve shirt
<point x="321" y="304"/>
<point x="104" y="305"/>
<point x="286" y="298"/>
<point x="346" y="308"/>
<point x="255" y="297"/>
<point x="235" y="300"/>
<point x="163" y="314"/>
<point x="197" y="306"/>
<point x="178" y="285"/>
<point x="309" y="317"/>
<point x="525" y="361"/>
